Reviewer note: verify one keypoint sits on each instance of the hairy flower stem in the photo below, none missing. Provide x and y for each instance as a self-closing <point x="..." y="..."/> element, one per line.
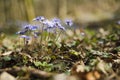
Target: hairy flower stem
<point x="48" y="37"/>
<point x="41" y="36"/>
<point x="19" y="43"/>
<point x="33" y="41"/>
<point x="24" y="42"/>
<point x="57" y="37"/>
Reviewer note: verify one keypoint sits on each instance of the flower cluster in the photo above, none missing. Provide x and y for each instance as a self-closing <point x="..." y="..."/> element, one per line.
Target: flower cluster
<point x="53" y="26"/>
<point x="27" y="29"/>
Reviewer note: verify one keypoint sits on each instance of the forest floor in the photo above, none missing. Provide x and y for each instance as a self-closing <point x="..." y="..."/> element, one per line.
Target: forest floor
<point x="85" y="54"/>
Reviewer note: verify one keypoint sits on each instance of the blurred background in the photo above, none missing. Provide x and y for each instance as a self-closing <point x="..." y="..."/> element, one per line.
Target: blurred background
<point x="15" y="13"/>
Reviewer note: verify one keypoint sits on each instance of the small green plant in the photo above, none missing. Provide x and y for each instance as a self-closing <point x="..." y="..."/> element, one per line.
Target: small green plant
<point x="43" y="65"/>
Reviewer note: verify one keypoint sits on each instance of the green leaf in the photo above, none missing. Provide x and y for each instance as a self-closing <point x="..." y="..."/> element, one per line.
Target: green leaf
<point x="74" y="52"/>
<point x="7" y="58"/>
<point x="37" y="63"/>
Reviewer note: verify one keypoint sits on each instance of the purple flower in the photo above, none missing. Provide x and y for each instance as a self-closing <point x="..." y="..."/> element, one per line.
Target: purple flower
<point x="25" y="37"/>
<point x="27" y="27"/>
<point x="21" y="32"/>
<point x="33" y="28"/>
<point x="61" y="27"/>
<point x="56" y="20"/>
<point x="48" y="23"/>
<point x="30" y="27"/>
<point x="68" y="22"/>
<point x="39" y="18"/>
<point x="57" y="23"/>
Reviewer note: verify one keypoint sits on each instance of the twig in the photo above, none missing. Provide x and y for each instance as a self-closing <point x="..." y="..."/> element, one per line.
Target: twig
<point x="31" y="71"/>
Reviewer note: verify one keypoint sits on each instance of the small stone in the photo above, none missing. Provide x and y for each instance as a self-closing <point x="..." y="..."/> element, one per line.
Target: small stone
<point x="60" y="77"/>
<point x="6" y="76"/>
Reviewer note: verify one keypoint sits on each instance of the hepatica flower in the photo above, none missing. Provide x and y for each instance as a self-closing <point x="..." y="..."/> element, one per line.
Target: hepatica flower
<point x="28" y="30"/>
<point x="60" y="26"/>
<point x="21" y="32"/>
<point x="48" y="23"/>
<point x="33" y="28"/>
<point x="27" y="27"/>
<point x="48" y="26"/>
<point x="68" y="22"/>
<point x="57" y="23"/>
<point x="39" y="18"/>
<point x="25" y="37"/>
<point x="30" y="27"/>
<point x="56" y="20"/>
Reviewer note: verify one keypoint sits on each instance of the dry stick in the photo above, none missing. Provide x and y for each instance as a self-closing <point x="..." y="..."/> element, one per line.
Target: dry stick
<point x="32" y="71"/>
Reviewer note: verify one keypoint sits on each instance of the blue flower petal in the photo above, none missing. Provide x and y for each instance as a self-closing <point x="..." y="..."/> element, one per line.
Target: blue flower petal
<point x="39" y="18"/>
<point x="68" y="22"/>
<point x="25" y="37"/>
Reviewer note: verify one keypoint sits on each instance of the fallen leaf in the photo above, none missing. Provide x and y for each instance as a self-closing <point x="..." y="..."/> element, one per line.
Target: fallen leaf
<point x="7" y="53"/>
<point x="94" y="75"/>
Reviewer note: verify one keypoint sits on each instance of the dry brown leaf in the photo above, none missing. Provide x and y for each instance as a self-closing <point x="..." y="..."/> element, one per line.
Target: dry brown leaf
<point x="78" y="68"/>
<point x="73" y="77"/>
<point x="93" y="75"/>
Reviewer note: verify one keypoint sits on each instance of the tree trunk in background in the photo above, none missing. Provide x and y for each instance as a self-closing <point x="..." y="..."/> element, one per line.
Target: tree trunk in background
<point x="49" y="8"/>
<point x="62" y="8"/>
<point x="7" y="6"/>
<point x="29" y="9"/>
<point x="2" y="12"/>
<point x="82" y="10"/>
<point x="13" y="10"/>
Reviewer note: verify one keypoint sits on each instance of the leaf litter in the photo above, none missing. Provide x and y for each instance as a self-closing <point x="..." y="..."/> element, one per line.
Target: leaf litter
<point x="93" y="56"/>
